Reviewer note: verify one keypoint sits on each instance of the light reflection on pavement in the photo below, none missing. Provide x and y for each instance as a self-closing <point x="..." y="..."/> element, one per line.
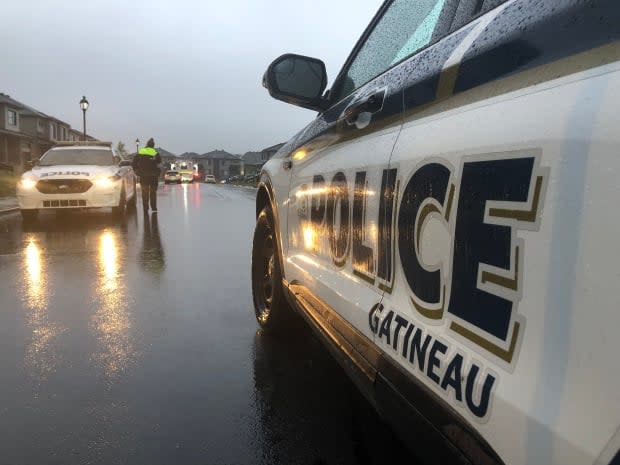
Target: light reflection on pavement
<point x="134" y="341"/>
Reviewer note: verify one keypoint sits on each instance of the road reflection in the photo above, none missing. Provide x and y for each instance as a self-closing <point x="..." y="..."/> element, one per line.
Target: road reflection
<point x="40" y="359"/>
<point x="308" y="409"/>
<point x="152" y="257"/>
<point x="111" y="321"/>
<point x="299" y="391"/>
<point x="80" y="244"/>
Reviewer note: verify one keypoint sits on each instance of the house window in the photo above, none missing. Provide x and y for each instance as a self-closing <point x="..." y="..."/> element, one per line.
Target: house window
<point x="12" y="117"/>
<point x="39" y="125"/>
<point x="53" y="131"/>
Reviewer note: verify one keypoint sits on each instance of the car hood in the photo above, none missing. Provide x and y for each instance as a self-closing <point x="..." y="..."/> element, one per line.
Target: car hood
<point x="71" y="172"/>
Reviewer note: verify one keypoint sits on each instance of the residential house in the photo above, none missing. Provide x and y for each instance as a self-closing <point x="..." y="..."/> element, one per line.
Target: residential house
<point x="252" y="163"/>
<point x="75" y="135"/>
<point x="26" y="133"/>
<point x="220" y="163"/>
<point x="36" y="125"/>
<point x="15" y="144"/>
<point x="270" y="151"/>
<point x="167" y="158"/>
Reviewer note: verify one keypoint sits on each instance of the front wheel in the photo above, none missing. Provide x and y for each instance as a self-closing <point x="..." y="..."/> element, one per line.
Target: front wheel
<point x="132" y="204"/>
<point x="122" y="204"/>
<point x="270" y="306"/>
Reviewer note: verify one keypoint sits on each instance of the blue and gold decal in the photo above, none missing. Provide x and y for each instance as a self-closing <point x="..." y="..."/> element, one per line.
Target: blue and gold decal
<point x="482" y="206"/>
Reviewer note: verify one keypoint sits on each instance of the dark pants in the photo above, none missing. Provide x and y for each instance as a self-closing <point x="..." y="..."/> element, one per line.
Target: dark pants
<point x="149" y="191"/>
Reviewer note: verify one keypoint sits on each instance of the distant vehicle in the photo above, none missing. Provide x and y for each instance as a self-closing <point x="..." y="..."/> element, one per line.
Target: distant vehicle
<point x="186" y="175"/>
<point x="198" y="176"/>
<point x="172" y="177"/>
<point x="209" y="179"/>
<point x="447" y="224"/>
<point x="76" y="175"/>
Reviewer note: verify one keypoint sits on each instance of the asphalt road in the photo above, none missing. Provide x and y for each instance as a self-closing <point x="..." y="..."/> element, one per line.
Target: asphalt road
<point x="134" y="342"/>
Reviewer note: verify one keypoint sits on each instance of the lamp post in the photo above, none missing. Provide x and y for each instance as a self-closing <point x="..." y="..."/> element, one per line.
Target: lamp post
<point x="84" y="106"/>
<point x="137" y="145"/>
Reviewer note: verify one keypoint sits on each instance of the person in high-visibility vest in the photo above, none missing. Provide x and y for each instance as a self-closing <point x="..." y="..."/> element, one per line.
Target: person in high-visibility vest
<point x="147" y="165"/>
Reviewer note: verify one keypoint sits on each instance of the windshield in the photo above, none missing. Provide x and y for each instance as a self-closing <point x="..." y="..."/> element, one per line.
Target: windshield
<point x="77" y="157"/>
<point x="171" y="172"/>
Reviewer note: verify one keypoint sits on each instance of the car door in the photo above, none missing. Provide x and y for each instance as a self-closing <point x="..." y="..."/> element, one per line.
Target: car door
<point x="504" y="188"/>
<point x="341" y="192"/>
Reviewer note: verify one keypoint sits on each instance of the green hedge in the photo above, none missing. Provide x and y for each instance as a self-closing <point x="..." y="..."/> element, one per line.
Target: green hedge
<point x="7" y="184"/>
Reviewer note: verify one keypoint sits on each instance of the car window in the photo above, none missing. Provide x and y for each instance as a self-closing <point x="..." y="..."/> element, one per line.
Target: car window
<point x="468" y="10"/>
<point x="406" y="27"/>
<point x="83" y="156"/>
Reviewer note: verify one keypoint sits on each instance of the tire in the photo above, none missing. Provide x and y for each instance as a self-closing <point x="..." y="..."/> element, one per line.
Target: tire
<point x="271" y="308"/>
<point x="119" y="210"/>
<point x="29" y="215"/>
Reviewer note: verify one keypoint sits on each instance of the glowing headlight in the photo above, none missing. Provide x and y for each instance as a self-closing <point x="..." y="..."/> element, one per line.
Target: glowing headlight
<point x="106" y="182"/>
<point x="27" y="183"/>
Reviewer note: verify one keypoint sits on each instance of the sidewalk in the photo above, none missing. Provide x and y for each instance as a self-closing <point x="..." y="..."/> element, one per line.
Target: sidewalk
<point x="8" y="204"/>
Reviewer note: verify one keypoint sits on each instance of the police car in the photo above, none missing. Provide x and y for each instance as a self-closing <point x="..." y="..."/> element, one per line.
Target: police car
<point x="74" y="175"/>
<point x="448" y="224"/>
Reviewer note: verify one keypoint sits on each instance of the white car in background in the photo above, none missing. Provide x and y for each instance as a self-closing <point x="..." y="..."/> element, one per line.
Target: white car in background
<point x="172" y="176"/>
<point x="77" y="175"/>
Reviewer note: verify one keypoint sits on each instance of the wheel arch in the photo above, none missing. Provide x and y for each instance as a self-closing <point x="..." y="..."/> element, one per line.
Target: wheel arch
<point x="265" y="197"/>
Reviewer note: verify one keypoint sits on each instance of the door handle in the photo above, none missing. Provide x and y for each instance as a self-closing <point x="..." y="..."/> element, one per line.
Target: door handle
<point x="370" y="104"/>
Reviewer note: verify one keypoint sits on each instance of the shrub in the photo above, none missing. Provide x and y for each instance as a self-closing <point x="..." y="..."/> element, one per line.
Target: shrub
<point x="7" y="184"/>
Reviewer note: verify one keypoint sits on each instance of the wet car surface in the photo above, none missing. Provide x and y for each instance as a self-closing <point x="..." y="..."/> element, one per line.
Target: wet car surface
<point x="134" y="341"/>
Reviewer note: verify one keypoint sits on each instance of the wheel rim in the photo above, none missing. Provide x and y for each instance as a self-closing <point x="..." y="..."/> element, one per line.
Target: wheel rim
<point x="266" y="278"/>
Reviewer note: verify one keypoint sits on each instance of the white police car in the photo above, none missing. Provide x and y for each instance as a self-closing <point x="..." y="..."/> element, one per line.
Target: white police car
<point x="448" y="224"/>
<point x="76" y="175"/>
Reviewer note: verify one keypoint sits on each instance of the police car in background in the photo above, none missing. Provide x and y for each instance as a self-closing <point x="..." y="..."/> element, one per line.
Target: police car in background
<point x="74" y="175"/>
<point x="448" y="224"/>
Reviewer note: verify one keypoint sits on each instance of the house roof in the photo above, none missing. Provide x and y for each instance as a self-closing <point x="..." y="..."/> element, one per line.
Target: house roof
<point x="188" y="155"/>
<point x="219" y="154"/>
<point x="253" y="158"/>
<point x="165" y="153"/>
<point x="273" y="148"/>
<point x="24" y="109"/>
<point x="4" y="98"/>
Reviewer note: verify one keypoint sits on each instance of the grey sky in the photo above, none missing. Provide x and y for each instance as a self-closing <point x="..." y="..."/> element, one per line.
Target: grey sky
<point x="185" y="72"/>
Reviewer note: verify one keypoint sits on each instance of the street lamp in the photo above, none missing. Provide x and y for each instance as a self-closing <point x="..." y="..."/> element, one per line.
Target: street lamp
<point x="84" y="106"/>
<point x="137" y="145"/>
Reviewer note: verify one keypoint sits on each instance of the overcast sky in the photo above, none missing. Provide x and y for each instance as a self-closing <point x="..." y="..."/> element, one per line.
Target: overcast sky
<point x="187" y="73"/>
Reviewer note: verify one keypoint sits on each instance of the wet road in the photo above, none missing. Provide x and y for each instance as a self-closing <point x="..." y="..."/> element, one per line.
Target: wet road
<point x="134" y="342"/>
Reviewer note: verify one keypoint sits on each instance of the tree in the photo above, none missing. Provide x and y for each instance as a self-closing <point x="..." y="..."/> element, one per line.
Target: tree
<point x="120" y="149"/>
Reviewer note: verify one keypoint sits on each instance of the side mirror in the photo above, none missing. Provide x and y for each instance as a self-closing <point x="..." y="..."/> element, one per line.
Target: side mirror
<point x="298" y="80"/>
<point x="124" y="163"/>
<point x="32" y="163"/>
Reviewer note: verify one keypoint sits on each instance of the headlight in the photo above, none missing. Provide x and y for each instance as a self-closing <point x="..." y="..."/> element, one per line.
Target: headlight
<point x="27" y="183"/>
<point x="106" y="182"/>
